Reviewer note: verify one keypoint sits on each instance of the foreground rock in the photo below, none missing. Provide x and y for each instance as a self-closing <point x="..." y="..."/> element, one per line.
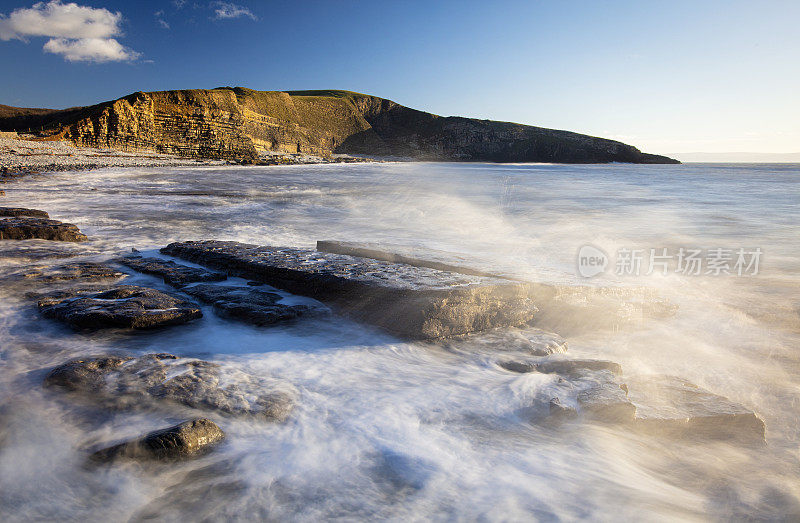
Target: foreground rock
<point x="409" y="301"/>
<point x="184" y="440"/>
<point x="127" y="306"/>
<point x="27" y="228"/>
<point x="173" y="273"/>
<point x="250" y="305"/>
<point x="121" y="382"/>
<point x="78" y="271"/>
<point x="671" y="406"/>
<point x="7" y="212"/>
<point x="657" y="405"/>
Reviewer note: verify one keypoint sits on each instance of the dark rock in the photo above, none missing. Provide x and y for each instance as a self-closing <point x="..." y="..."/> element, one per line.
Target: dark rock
<point x="2" y="193"/>
<point x="671" y="406"/>
<point x="6" y="212"/>
<point x="126" y="306"/>
<point x="121" y="382"/>
<point x="410" y="301"/>
<point x="81" y="271"/>
<point x="26" y="228"/>
<point x="173" y="273"/>
<point x="184" y="440"/>
<point x="255" y="306"/>
<point x="84" y="374"/>
<point x="566" y="367"/>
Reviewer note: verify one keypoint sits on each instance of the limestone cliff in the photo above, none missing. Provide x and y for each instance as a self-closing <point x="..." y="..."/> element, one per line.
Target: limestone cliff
<point x="239" y="124"/>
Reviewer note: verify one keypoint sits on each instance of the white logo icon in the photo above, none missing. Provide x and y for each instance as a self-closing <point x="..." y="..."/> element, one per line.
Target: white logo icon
<point x="591" y="261"/>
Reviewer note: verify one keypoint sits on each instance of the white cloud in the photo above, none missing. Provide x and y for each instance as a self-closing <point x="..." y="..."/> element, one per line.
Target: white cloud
<point x="227" y="11"/>
<point x="90" y="50"/>
<point x="160" y="19"/>
<point x="78" y="33"/>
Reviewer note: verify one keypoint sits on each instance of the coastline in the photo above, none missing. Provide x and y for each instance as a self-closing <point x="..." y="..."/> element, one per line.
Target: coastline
<point x="20" y="156"/>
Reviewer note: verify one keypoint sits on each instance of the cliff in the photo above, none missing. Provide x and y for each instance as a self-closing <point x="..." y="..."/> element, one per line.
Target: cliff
<point x="241" y="124"/>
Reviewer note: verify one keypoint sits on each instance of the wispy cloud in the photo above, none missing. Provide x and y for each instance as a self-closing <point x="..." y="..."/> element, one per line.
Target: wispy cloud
<point x="160" y="19"/>
<point x="227" y="11"/>
<point x="78" y="33"/>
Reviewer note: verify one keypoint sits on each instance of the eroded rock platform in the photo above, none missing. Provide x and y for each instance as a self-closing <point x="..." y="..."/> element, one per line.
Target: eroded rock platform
<point x="414" y="302"/>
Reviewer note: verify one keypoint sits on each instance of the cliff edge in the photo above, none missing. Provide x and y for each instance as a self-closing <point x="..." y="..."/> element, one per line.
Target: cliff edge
<point x="235" y="123"/>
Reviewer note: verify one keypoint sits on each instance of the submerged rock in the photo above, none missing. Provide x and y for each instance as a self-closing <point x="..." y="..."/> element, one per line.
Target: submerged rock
<point x="120" y="382"/>
<point x="80" y="271"/>
<point x="27" y="228"/>
<point x="410" y="301"/>
<point x="127" y="306"/>
<point x="530" y="342"/>
<point x="671" y="406"/>
<point x="6" y="212"/>
<point x="256" y="306"/>
<point x="606" y="399"/>
<point x="173" y="273"/>
<point x="184" y="440"/>
<point x="566" y="367"/>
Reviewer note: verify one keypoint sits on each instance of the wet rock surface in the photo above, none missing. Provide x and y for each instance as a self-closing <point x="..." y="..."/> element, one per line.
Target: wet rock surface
<point x="409" y="301"/>
<point x="606" y="399"/>
<point x="184" y="440"/>
<point x="29" y="228"/>
<point x="248" y="304"/>
<point x="529" y="341"/>
<point x="566" y="367"/>
<point x="671" y="406"/>
<point x="173" y="273"/>
<point x="123" y="382"/>
<point x="78" y="271"/>
<point x="126" y="306"/>
<point x="11" y="212"/>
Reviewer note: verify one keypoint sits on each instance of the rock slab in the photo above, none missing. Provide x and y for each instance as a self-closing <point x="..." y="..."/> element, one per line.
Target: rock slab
<point x="256" y="306"/>
<point x="184" y="440"/>
<point x="126" y="306"/>
<point x="120" y="382"/>
<point x="173" y="273"/>
<point x="14" y="212"/>
<point x="29" y="228"/>
<point x="414" y="302"/>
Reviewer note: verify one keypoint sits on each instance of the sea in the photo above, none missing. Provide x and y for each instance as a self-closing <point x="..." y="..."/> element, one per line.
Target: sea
<point x="689" y="270"/>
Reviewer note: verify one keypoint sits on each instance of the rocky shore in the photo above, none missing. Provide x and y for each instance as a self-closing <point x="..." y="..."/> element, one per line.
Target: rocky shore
<point x="456" y="309"/>
<point x="23" y="155"/>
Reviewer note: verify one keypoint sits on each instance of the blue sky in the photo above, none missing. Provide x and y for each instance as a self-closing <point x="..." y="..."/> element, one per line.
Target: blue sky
<point x="664" y="76"/>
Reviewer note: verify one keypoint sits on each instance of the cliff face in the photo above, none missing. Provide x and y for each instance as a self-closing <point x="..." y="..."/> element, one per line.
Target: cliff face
<point x="238" y="123"/>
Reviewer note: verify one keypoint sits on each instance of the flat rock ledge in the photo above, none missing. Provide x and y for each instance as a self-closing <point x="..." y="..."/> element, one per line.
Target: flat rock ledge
<point x="126" y="306"/>
<point x="184" y="440"/>
<point x="120" y="382"/>
<point x="30" y="228"/>
<point x="173" y="273"/>
<point x="72" y="272"/>
<point x="14" y="212"/>
<point x="256" y="306"/>
<point x="658" y="405"/>
<point x="412" y="302"/>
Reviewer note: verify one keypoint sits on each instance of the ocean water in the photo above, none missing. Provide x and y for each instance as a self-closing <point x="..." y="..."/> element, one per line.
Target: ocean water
<point x="387" y="429"/>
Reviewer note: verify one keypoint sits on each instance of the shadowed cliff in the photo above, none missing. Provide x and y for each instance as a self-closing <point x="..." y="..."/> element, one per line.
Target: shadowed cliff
<point x="242" y="124"/>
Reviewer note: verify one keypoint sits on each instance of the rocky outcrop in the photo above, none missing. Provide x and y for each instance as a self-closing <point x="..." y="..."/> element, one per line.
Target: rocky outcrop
<point x="240" y="124"/>
<point x="77" y="272"/>
<point x="126" y="306"/>
<point x="413" y="302"/>
<point x="28" y="228"/>
<point x="184" y="440"/>
<point x="156" y="379"/>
